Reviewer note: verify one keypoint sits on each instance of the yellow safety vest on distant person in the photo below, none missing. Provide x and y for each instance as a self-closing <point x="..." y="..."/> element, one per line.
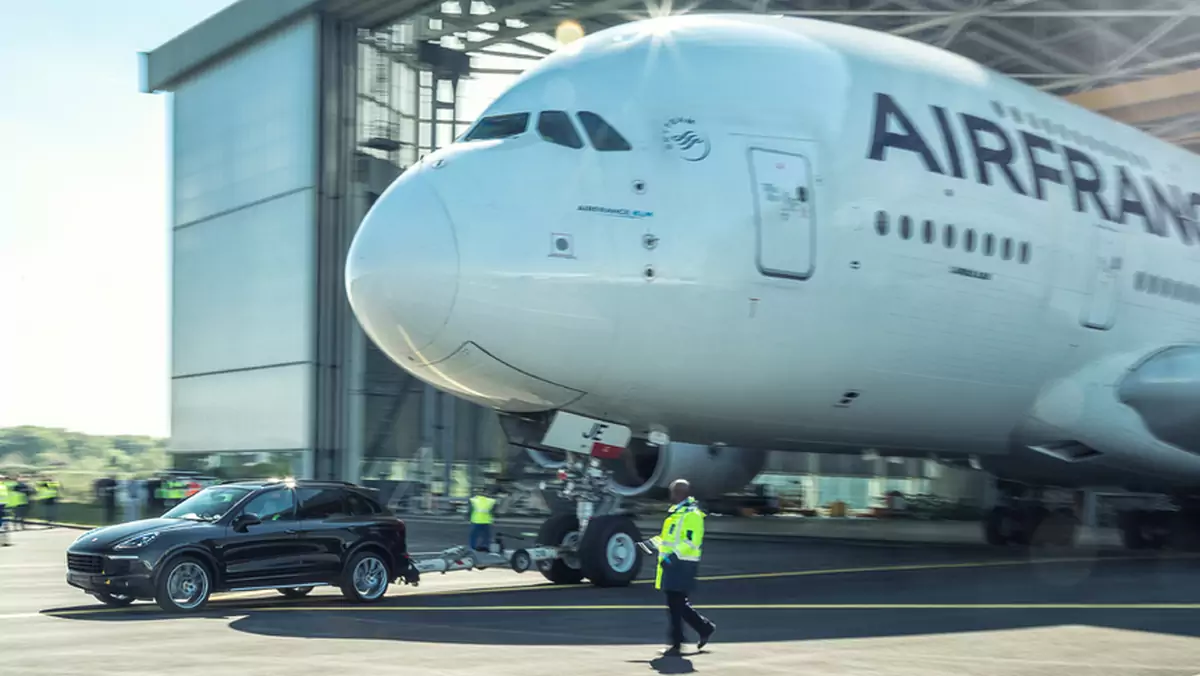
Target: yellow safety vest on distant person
<point x="51" y="490"/>
<point x="3" y="494"/>
<point x="682" y="535"/>
<point x="481" y="509"/>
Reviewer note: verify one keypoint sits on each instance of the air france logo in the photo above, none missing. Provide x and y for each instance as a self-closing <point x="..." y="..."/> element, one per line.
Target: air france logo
<point x="683" y="136"/>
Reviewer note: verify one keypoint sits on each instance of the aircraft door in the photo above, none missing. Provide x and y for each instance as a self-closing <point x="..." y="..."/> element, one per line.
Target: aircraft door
<point x="1104" y="285"/>
<point x="783" y="211"/>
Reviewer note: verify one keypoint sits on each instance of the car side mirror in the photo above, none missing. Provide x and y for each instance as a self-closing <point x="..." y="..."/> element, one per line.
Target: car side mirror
<point x="244" y="521"/>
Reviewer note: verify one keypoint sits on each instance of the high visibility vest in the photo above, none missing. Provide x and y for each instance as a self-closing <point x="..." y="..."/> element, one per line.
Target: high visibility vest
<point x="682" y="535"/>
<point x="481" y="509"/>
<point x="3" y="494"/>
<point x="51" y="490"/>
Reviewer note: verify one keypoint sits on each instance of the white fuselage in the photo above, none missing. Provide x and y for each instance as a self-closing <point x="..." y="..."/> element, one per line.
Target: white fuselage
<point x="689" y="284"/>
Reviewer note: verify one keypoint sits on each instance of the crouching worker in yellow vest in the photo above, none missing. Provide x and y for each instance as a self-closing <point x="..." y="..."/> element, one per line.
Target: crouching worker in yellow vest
<point x="481" y="507"/>
<point x="679" y="547"/>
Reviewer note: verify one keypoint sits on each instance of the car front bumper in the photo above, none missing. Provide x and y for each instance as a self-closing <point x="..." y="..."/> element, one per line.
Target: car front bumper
<point x="110" y="574"/>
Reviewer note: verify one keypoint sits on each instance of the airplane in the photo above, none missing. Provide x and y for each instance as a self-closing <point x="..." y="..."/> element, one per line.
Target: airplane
<point x="681" y="241"/>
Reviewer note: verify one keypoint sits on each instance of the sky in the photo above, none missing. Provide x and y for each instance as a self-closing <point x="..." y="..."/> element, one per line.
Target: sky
<point x="84" y="245"/>
<point x="83" y="215"/>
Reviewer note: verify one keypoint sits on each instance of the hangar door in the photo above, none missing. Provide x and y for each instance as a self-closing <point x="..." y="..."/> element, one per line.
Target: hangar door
<point x="1104" y="285"/>
<point x="783" y="209"/>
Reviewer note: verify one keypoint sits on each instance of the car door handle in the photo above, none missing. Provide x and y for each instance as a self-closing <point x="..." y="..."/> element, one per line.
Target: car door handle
<point x="291" y="531"/>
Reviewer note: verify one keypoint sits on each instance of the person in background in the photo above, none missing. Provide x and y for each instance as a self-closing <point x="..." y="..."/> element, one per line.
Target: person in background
<point x="4" y="511"/>
<point x="23" y="493"/>
<point x="108" y="498"/>
<point x="679" y="547"/>
<point x="130" y="499"/>
<point x="49" y="491"/>
<point x="479" y="510"/>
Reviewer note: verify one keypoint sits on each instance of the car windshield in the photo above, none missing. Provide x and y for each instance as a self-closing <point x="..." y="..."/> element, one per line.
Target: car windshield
<point x="209" y="504"/>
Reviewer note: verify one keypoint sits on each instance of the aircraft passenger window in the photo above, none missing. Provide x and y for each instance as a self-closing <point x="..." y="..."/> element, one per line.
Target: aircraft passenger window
<point x="998" y="107"/>
<point x="555" y="126"/>
<point x="927" y="233"/>
<point x="498" y="126"/>
<point x="1139" y="281"/>
<point x="905" y="227"/>
<point x="601" y="133"/>
<point x="1016" y="114"/>
<point x="1152" y="284"/>
<point x="948" y="236"/>
<point x="881" y="222"/>
<point x="1035" y="123"/>
<point x="989" y="244"/>
<point x="1006" y="250"/>
<point x="1024" y="252"/>
<point x="969" y="240"/>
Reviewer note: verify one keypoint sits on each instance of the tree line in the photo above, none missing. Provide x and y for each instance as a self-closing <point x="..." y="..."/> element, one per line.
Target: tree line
<point x="78" y="458"/>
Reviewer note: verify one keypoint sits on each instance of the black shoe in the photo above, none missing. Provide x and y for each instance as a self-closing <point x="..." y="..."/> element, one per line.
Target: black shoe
<point x="707" y="635"/>
<point x="673" y="651"/>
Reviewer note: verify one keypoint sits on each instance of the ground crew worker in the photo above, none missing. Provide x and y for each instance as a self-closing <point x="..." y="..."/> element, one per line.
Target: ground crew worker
<point x="50" y="488"/>
<point x="480" y="511"/>
<point x="679" y="547"/>
<point x="18" y="502"/>
<point x="4" y="493"/>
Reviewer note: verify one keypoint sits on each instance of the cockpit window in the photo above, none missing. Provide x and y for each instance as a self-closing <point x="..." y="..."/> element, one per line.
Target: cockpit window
<point x="601" y="133"/>
<point x="498" y="126"/>
<point x="555" y="126"/>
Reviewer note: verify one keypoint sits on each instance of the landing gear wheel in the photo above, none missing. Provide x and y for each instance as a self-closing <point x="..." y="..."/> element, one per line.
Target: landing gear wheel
<point x="114" y="600"/>
<point x="366" y="578"/>
<point x="559" y="530"/>
<point x="184" y="586"/>
<point x="295" y="592"/>
<point x="609" y="555"/>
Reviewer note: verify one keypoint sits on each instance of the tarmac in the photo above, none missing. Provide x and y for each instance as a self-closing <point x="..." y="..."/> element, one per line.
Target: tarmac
<point x="805" y="606"/>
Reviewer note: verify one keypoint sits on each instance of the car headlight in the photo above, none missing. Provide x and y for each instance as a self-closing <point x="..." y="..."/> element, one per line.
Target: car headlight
<point x="137" y="541"/>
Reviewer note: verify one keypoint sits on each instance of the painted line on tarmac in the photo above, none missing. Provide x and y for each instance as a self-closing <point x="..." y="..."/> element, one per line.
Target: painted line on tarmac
<point x="893" y="568"/>
<point x="218" y="603"/>
<point x="153" y="611"/>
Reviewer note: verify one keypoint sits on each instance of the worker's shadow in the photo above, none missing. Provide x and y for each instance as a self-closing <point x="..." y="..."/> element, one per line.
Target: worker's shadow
<point x="670" y="665"/>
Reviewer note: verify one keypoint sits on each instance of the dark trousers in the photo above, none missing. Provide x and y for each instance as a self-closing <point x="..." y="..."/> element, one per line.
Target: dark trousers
<point x="681" y="610"/>
<point x="481" y="536"/>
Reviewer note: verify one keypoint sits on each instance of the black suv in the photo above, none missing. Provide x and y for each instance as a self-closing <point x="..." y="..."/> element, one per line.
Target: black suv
<point x="241" y="536"/>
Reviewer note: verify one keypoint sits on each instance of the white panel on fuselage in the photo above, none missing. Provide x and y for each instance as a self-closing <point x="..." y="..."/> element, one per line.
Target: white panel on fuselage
<point x="783" y="209"/>
<point x="1100" y="307"/>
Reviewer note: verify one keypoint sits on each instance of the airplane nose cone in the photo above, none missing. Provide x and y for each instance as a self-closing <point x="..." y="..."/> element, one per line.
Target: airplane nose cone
<point x="402" y="269"/>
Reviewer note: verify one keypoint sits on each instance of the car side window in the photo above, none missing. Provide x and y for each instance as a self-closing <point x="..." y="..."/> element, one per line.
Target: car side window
<point x="321" y="503"/>
<point x="276" y="505"/>
<point x="358" y="505"/>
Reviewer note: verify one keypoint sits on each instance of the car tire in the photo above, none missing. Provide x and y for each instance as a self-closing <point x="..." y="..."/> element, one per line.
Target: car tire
<point x="556" y="531"/>
<point x="114" y="600"/>
<point x="609" y="555"/>
<point x="184" y="586"/>
<point x="366" y="577"/>
<point x="295" y="592"/>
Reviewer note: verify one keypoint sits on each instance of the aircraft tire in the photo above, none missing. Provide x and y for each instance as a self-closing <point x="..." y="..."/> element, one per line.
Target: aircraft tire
<point x="609" y="555"/>
<point x="558" y="530"/>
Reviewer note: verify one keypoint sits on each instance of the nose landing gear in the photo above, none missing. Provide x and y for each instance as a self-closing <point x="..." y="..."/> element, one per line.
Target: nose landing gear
<point x="599" y="541"/>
